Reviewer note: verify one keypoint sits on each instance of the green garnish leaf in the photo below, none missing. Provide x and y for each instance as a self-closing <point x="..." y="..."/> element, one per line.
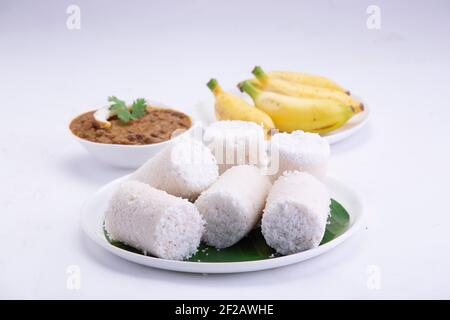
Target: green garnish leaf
<point x="139" y="108"/>
<point x="116" y="105"/>
<point x="125" y="114"/>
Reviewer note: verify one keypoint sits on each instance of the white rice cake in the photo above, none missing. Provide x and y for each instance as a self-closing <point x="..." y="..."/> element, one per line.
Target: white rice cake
<point x="301" y="151"/>
<point x="296" y="213"/>
<point x="235" y="142"/>
<point x="183" y="169"/>
<point x="153" y="221"/>
<point x="233" y="205"/>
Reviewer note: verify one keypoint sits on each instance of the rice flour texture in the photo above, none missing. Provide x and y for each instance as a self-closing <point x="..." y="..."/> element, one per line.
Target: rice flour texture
<point x="296" y="213"/>
<point x="183" y="169"/>
<point x="233" y="205"/>
<point x="154" y="221"/>
<point x="300" y="151"/>
<point x="235" y="142"/>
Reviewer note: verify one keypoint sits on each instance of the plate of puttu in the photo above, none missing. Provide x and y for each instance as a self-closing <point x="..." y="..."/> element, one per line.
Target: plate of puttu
<point x="226" y="200"/>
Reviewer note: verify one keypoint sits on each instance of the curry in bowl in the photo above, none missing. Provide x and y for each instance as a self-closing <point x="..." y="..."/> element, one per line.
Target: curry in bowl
<point x="138" y="124"/>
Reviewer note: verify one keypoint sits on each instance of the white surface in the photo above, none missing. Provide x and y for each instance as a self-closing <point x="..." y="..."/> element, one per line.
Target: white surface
<point x="92" y="217"/>
<point x="204" y="112"/>
<point x="128" y="156"/>
<point x="398" y="162"/>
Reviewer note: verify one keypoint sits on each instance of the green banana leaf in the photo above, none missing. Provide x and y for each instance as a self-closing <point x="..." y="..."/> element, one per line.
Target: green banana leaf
<point x="253" y="246"/>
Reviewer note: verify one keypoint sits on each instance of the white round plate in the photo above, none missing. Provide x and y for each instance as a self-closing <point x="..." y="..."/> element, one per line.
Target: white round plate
<point x="204" y="112"/>
<point x="92" y="222"/>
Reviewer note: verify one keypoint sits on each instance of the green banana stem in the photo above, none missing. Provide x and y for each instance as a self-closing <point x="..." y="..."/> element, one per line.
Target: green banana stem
<point x="239" y="86"/>
<point x="250" y="89"/>
<point x="214" y="86"/>
<point x="259" y="73"/>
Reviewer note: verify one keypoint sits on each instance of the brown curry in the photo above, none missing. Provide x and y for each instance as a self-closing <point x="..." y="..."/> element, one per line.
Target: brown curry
<point x="156" y="126"/>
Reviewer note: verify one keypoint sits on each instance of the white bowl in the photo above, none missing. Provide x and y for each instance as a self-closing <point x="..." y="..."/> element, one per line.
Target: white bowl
<point x="129" y="156"/>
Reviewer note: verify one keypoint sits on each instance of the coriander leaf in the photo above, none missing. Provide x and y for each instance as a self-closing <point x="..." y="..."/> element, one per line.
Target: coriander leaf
<point x="120" y="108"/>
<point x="116" y="105"/>
<point x="139" y="108"/>
<point x="116" y="109"/>
<point x="125" y="116"/>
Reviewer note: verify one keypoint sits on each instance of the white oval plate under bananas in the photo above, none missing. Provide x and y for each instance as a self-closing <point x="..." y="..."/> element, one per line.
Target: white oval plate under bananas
<point x="204" y="112"/>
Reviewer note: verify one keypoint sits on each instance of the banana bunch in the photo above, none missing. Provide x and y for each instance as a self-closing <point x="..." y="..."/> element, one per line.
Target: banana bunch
<point x="232" y="107"/>
<point x="292" y="113"/>
<point x="297" y="101"/>
<point x="279" y="85"/>
<point x="288" y="101"/>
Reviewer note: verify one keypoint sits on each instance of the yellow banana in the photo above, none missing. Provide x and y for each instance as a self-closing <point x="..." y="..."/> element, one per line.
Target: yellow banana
<point x="231" y="107"/>
<point x="307" y="79"/>
<point x="268" y="83"/>
<point x="293" y="113"/>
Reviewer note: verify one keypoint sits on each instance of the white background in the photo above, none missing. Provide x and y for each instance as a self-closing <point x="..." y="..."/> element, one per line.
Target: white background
<point x="167" y="51"/>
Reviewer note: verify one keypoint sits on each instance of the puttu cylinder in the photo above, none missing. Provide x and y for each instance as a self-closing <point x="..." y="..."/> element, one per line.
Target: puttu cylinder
<point x="235" y="142"/>
<point x="233" y="205"/>
<point x="153" y="221"/>
<point x="183" y="169"/>
<point x="300" y="151"/>
<point x="296" y="213"/>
